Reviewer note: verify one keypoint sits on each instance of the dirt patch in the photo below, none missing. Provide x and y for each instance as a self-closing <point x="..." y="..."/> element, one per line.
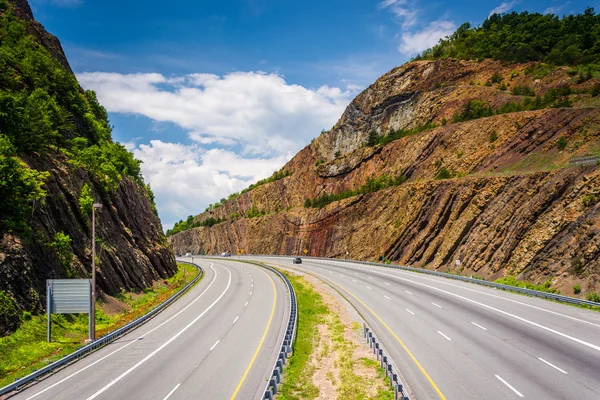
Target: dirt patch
<point x="345" y="367"/>
<point x="111" y="305"/>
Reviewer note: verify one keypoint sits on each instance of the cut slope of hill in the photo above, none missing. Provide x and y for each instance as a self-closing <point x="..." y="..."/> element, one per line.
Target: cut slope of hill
<point x="439" y="160"/>
<point x="57" y="158"/>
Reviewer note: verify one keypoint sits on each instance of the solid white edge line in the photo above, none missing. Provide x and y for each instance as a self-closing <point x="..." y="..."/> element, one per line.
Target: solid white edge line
<point x="353" y="281"/>
<point x="479" y="326"/>
<point x="437" y="305"/>
<point x="408" y="292"/>
<point x="215" y="345"/>
<point x="246" y="304"/>
<point x="444" y="335"/>
<point x="130" y="343"/>
<point x="386" y="297"/>
<point x="124" y="374"/>
<point x="553" y="366"/>
<point x="510" y="387"/>
<point x="409" y="311"/>
<point x="368" y="287"/>
<point x="235" y="320"/>
<point x="386" y="283"/>
<point x="172" y="391"/>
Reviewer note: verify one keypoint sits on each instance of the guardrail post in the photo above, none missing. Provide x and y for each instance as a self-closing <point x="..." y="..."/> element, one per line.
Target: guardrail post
<point x="277" y="375"/>
<point x="274" y="386"/>
<point x="365" y="329"/>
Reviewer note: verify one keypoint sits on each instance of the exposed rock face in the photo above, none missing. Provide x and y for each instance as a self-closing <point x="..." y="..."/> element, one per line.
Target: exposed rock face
<point x="514" y="205"/>
<point x="132" y="251"/>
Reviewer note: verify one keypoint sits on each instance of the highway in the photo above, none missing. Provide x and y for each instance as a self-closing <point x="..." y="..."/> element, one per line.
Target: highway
<point x="218" y="341"/>
<point x="456" y="340"/>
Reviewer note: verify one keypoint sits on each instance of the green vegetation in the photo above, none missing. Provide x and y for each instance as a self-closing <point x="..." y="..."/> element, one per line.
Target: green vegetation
<point x="255" y="213"/>
<point x="493" y="137"/>
<point x="86" y="200"/>
<point x="576" y="289"/>
<point x="21" y="188"/>
<point x="523" y="91"/>
<point x="588" y="200"/>
<point x="298" y="383"/>
<point x="43" y="111"/>
<point x="593" y="296"/>
<point x="9" y="313"/>
<point x="512" y="281"/>
<point x="372" y="185"/>
<point x="27" y="350"/>
<point x="562" y="143"/>
<point x="374" y="138"/>
<point x="523" y="37"/>
<point x="190" y="223"/>
<point x="61" y="244"/>
<point x="476" y="109"/>
<point x="444" y="173"/>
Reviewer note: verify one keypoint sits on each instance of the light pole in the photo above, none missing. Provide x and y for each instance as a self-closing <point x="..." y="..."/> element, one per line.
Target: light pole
<point x="93" y="310"/>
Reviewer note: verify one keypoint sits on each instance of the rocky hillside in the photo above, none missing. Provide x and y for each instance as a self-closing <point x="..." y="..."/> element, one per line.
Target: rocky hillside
<point x="505" y="201"/>
<point x="439" y="160"/>
<point x="56" y="159"/>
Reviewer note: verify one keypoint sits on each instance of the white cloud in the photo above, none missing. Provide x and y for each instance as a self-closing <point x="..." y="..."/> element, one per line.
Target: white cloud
<point x="187" y="178"/>
<point x="504" y="7"/>
<point x="253" y="121"/>
<point x="414" y="43"/>
<point x="243" y="107"/>
<point x="404" y="11"/>
<point x="556" y="9"/>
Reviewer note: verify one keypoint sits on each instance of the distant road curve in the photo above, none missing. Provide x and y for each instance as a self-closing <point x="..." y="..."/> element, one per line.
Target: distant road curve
<point x="218" y="341"/>
<point x="456" y="340"/>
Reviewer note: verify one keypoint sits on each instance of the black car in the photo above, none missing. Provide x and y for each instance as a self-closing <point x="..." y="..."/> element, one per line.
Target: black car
<point x="297" y="260"/>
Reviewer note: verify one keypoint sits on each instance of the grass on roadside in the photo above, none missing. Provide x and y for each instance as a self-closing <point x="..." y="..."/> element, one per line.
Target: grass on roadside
<point x="298" y="378"/>
<point x="298" y="382"/>
<point x="27" y="350"/>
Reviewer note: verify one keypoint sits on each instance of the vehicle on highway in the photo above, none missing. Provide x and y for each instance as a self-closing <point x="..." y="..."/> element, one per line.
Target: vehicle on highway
<point x="226" y="254"/>
<point x="297" y="260"/>
<point x="188" y="254"/>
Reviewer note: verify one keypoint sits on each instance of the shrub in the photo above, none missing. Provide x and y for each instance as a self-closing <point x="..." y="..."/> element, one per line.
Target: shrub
<point x="9" y="313"/>
<point x="443" y="173"/>
<point x="493" y="137"/>
<point x="562" y="143"/>
<point x="523" y="91"/>
<point x="588" y="200"/>
<point x="496" y="78"/>
<point x="61" y="244"/>
<point x="444" y="121"/>
<point x="593" y="296"/>
<point x="319" y="162"/>
<point x="86" y="200"/>
<point x="474" y="109"/>
<point x="595" y="90"/>
<point x="337" y="154"/>
<point x="576" y="289"/>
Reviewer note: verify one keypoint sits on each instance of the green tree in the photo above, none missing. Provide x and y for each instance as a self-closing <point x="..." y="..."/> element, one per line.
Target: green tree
<point x="86" y="200"/>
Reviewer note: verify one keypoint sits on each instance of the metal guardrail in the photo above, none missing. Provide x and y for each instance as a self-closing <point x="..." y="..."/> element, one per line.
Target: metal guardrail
<point x="585" y="160"/>
<point x="104" y="340"/>
<point x="529" y="292"/>
<point x="386" y="364"/>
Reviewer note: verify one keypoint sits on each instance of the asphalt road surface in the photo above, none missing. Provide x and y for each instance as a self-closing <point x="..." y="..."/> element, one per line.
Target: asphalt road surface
<point x="456" y="340"/>
<point x="219" y="341"/>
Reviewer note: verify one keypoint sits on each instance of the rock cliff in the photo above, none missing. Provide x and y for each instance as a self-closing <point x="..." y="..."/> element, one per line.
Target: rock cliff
<point x="132" y="251"/>
<point x="496" y="191"/>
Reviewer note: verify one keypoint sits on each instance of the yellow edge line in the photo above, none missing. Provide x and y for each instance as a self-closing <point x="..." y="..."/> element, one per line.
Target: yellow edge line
<point x="431" y="382"/>
<point x="237" y="389"/>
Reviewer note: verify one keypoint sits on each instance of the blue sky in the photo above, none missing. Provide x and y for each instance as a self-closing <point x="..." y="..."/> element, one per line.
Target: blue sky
<point x="213" y="95"/>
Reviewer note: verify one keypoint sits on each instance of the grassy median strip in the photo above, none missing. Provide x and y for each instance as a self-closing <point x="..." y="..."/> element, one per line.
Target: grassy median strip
<point x="27" y="350"/>
<point x="326" y="356"/>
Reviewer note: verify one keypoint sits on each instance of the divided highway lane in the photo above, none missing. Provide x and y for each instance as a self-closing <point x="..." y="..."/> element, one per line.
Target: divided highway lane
<point x="219" y="341"/>
<point x="457" y="340"/>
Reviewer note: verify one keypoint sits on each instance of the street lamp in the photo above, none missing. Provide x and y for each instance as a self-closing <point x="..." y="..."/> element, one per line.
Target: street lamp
<point x="93" y="311"/>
